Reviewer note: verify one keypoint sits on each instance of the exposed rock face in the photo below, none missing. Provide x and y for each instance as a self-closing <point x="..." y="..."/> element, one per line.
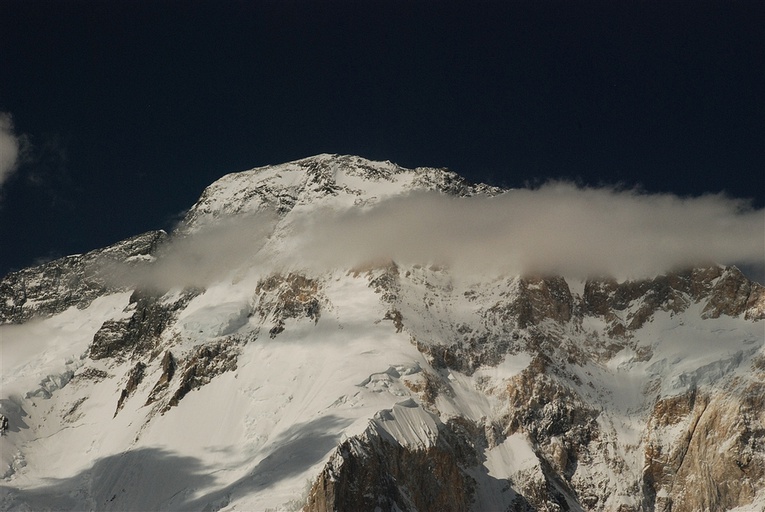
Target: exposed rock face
<point x="291" y="296"/>
<point x="705" y="452"/>
<point x="140" y="333"/>
<point x="672" y="292"/>
<point x="375" y="472"/>
<point x="204" y="363"/>
<point x="168" y="365"/>
<point x="71" y="281"/>
<point x="541" y="299"/>
<point x="134" y="379"/>
<point x="734" y="295"/>
<point x="89" y="374"/>
<point x="726" y="292"/>
<point x="542" y="407"/>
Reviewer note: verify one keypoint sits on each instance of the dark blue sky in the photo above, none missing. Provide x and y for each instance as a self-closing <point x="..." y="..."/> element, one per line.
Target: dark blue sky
<point x="129" y="109"/>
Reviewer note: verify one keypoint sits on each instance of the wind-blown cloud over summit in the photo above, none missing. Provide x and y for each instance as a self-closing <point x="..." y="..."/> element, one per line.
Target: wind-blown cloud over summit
<point x="556" y="229"/>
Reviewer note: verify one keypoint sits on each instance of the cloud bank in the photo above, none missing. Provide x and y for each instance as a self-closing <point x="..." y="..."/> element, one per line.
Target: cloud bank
<point x="556" y="229"/>
<point x="9" y="147"/>
<point x="204" y="257"/>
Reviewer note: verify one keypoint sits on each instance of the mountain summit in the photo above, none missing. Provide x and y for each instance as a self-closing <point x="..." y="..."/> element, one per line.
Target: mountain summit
<point x="262" y="357"/>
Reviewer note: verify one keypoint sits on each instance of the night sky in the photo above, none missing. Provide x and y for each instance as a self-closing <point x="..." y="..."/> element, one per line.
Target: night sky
<point x="125" y="111"/>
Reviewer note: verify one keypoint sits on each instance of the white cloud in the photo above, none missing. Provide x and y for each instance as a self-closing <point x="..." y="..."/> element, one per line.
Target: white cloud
<point x="556" y="229"/>
<point x="9" y="147"/>
<point x="203" y="257"/>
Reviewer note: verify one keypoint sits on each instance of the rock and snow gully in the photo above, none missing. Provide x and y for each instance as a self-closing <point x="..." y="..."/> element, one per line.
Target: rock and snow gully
<point x="386" y="386"/>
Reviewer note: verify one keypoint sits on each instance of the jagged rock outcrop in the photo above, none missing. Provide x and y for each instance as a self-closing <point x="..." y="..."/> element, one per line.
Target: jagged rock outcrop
<point x="77" y="280"/>
<point x="168" y="367"/>
<point x="726" y="292"/>
<point x="291" y="296"/>
<point x="202" y="365"/>
<point x="89" y="374"/>
<point x="539" y="405"/>
<point x="135" y="376"/>
<point x="140" y="333"/>
<point x="538" y="299"/>
<point x="373" y="471"/>
<point x="733" y="295"/>
<point x="705" y="451"/>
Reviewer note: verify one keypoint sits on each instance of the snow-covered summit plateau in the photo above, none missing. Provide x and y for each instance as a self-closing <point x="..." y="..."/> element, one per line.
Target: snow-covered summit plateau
<point x="230" y="365"/>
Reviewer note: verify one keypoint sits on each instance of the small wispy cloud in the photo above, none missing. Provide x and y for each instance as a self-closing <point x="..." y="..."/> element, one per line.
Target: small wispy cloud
<point x="9" y="147"/>
<point x="39" y="162"/>
<point x="558" y="228"/>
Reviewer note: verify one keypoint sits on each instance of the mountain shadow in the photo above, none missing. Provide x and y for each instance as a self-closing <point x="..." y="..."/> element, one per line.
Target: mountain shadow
<point x="148" y="479"/>
<point x="138" y="480"/>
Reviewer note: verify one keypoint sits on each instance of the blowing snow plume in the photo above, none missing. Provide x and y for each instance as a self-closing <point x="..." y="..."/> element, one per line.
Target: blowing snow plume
<point x="557" y="229"/>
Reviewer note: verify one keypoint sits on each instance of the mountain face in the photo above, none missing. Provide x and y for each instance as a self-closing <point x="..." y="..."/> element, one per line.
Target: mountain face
<point x="386" y="386"/>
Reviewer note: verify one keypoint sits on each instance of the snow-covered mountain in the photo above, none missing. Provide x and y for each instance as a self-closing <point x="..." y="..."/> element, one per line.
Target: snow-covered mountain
<point x="196" y="371"/>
